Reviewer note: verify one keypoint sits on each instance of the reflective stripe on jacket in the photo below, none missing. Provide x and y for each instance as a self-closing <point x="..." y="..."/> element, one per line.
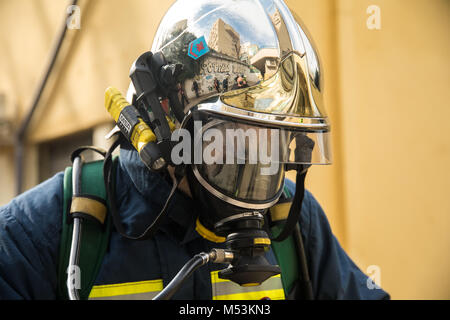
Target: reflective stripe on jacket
<point x="221" y="290"/>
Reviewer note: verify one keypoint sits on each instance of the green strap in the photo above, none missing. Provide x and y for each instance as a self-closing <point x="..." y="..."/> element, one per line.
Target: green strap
<point x="94" y="237"/>
<point x="286" y="255"/>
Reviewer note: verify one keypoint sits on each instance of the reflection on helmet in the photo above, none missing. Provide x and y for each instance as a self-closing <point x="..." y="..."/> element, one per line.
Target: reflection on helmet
<point x="250" y="53"/>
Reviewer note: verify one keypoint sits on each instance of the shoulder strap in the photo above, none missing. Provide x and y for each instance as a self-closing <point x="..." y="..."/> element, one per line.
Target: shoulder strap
<point x="284" y="250"/>
<point x="95" y="236"/>
<point x="290" y="252"/>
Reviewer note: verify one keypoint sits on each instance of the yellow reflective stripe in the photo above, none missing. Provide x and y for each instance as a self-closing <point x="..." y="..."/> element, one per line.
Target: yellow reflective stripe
<point x="223" y="289"/>
<point x="128" y="288"/>
<point x="215" y="278"/>
<point x="276" y="294"/>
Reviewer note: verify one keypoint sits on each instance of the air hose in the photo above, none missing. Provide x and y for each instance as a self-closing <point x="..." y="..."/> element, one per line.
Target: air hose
<point x="216" y="256"/>
<point x="76" y="235"/>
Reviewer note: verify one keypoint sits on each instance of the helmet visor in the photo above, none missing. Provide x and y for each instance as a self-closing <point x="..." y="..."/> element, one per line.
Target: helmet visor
<point x="229" y="141"/>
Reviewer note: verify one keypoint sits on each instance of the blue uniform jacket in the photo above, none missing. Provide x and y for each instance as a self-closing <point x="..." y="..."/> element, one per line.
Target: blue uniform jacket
<point x="30" y="231"/>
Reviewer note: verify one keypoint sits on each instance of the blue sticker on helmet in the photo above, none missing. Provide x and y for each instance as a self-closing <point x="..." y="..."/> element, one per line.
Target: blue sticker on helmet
<point x="198" y="48"/>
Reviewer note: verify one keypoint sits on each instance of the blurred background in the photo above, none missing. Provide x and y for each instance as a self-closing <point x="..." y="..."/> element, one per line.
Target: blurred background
<point x="387" y="76"/>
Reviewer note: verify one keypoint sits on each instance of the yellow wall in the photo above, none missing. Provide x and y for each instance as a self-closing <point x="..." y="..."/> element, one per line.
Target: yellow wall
<point x="386" y="91"/>
<point x="396" y="142"/>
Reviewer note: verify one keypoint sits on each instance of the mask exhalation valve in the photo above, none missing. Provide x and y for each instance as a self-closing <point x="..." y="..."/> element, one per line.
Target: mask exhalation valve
<point x="248" y="241"/>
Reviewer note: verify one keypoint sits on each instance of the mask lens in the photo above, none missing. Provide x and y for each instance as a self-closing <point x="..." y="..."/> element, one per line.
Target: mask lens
<point x="242" y="181"/>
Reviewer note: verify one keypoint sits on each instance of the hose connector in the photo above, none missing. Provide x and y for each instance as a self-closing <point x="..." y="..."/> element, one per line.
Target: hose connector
<point x="221" y="256"/>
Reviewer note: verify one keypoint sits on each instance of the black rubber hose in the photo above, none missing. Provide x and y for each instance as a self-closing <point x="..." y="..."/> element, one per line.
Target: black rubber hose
<point x="196" y="262"/>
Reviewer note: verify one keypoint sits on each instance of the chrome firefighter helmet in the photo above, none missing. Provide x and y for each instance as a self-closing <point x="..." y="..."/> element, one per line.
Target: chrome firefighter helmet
<point x="250" y="54"/>
<point x="247" y="65"/>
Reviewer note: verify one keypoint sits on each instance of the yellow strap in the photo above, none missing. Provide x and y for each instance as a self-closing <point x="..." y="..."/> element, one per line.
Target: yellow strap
<point x="207" y="234"/>
<point x="89" y="206"/>
<point x="280" y="211"/>
<point x="264" y="241"/>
